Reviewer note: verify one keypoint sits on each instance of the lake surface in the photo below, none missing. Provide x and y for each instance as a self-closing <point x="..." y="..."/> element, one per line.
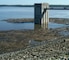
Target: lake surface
<point x="26" y="12"/>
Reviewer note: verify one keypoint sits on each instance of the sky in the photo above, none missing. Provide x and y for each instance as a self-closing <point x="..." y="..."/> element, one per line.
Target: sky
<point x="31" y="2"/>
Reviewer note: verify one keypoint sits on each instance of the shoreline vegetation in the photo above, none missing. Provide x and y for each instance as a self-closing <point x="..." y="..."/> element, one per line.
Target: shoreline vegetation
<point x="15" y="44"/>
<point x="25" y="20"/>
<point x="32" y="5"/>
<point x="16" y="5"/>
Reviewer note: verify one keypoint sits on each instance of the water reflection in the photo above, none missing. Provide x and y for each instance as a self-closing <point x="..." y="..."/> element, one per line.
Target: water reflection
<point x="18" y="26"/>
<point x="42" y="26"/>
<point x="48" y="26"/>
<point x="15" y="26"/>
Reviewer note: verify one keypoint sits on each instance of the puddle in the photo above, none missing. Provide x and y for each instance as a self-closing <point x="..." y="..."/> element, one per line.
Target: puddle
<point x="64" y="33"/>
<point x="33" y="43"/>
<point x="55" y="25"/>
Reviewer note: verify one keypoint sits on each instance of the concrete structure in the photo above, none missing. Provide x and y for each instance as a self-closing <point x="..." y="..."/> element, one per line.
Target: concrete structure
<point x="41" y="14"/>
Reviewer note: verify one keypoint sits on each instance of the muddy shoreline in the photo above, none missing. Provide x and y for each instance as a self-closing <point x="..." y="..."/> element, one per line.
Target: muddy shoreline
<point x="17" y="42"/>
<point x="55" y="46"/>
<point x="38" y="34"/>
<point x="14" y="40"/>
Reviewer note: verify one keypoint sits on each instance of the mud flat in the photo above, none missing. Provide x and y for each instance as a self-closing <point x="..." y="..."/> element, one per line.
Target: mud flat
<point x="60" y="20"/>
<point x="24" y="20"/>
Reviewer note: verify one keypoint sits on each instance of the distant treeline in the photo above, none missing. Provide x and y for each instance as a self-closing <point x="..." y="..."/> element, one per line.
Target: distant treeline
<point x="16" y="5"/>
<point x="58" y="5"/>
<point x="33" y="5"/>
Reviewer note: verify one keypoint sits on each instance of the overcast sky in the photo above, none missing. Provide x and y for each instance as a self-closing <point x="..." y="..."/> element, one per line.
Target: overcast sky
<point x="31" y="2"/>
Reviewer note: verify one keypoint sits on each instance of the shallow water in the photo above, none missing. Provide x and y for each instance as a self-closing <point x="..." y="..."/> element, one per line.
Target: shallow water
<point x="16" y="12"/>
<point x="26" y="12"/>
<point x="55" y="25"/>
<point x="15" y="26"/>
<point x="20" y="26"/>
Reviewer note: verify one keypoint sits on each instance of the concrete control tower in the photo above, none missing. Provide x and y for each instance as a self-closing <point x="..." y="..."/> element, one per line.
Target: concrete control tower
<point x="41" y="13"/>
